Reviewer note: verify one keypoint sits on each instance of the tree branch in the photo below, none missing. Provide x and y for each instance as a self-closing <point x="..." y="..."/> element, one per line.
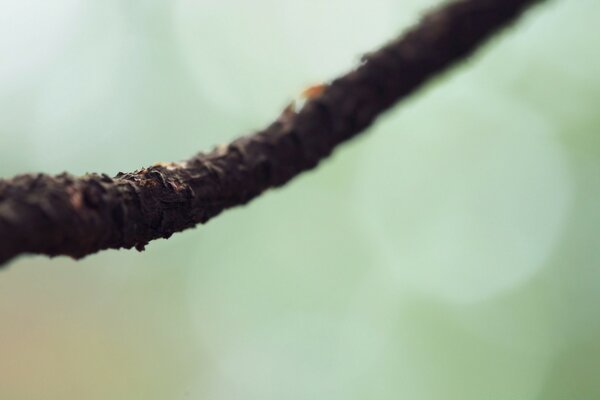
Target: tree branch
<point x="77" y="216"/>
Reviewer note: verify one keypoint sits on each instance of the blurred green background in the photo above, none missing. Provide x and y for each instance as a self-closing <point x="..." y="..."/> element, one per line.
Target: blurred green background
<point x="450" y="253"/>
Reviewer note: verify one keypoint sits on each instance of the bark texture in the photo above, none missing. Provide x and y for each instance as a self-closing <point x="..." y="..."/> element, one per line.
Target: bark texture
<point x="77" y="216"/>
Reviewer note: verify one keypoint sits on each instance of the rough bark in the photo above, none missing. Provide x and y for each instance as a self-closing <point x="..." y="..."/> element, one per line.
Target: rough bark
<point x="77" y="216"/>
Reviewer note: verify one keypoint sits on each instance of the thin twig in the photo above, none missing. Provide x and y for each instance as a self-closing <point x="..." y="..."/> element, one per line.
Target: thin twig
<point x="77" y="216"/>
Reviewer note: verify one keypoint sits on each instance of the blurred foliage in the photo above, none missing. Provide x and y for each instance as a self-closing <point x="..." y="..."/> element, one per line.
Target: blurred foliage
<point x="450" y="253"/>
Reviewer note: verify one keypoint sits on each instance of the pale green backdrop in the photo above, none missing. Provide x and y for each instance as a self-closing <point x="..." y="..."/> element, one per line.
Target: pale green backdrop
<point x="451" y="253"/>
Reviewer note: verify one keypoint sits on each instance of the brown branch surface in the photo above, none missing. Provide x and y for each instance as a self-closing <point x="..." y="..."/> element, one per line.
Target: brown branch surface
<point x="77" y="216"/>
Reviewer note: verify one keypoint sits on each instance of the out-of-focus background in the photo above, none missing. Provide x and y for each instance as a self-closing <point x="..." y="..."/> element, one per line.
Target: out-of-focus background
<point x="450" y="253"/>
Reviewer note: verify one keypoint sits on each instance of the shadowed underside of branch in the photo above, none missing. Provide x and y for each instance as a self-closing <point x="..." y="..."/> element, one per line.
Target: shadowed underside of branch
<point x="77" y="216"/>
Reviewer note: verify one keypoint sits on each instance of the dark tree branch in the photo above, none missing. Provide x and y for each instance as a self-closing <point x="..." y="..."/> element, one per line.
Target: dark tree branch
<point x="77" y="216"/>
